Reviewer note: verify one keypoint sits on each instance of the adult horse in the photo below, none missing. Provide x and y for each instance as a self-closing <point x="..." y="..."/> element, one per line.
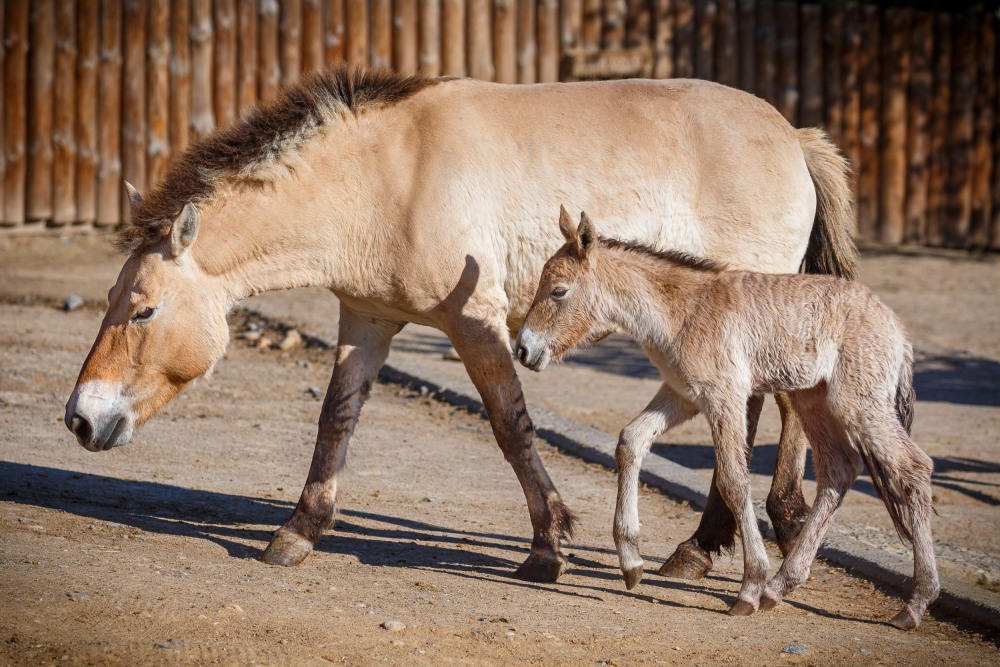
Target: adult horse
<point x="432" y="201"/>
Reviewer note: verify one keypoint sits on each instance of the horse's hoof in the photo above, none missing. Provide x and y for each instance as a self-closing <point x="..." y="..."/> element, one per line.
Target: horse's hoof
<point x="541" y="569"/>
<point x="768" y="602"/>
<point x="689" y="561"/>
<point x="741" y="608"/>
<point x="904" y="620"/>
<point x="632" y="576"/>
<point x="286" y="549"/>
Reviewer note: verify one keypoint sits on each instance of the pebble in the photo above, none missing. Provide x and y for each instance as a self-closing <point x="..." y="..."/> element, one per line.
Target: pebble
<point x="865" y="651"/>
<point x="291" y="340"/>
<point x="249" y="335"/>
<point x="264" y="342"/>
<point x="424" y="390"/>
<point x="394" y="626"/>
<point x="796" y="649"/>
<point x="76" y="596"/>
<point x="302" y="363"/>
<point x="316" y="392"/>
<point x="234" y="607"/>
<point x="72" y="302"/>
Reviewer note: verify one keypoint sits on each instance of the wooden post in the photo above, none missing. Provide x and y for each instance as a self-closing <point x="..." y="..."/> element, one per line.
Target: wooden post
<point x="615" y="13"/>
<point x="88" y="34"/>
<point x="291" y="41"/>
<point x="548" y="41"/>
<point x="684" y="28"/>
<point x="748" y="45"/>
<point x="430" y="37"/>
<point x="180" y="76"/>
<point x="381" y="34"/>
<point x="870" y="86"/>
<point x="479" y="40"/>
<point x="312" y="36"/>
<point x="940" y="128"/>
<point x="918" y="138"/>
<point x="333" y="35"/>
<point x="224" y="63"/>
<point x="41" y="60"/>
<point x="15" y="109"/>
<point x="593" y="19"/>
<point x="850" y="140"/>
<point x="3" y="147"/>
<point x="246" y="61"/>
<point x="833" y="78"/>
<point x="404" y="37"/>
<point x="726" y="42"/>
<point x="895" y="76"/>
<point x="570" y="25"/>
<point x="269" y="62"/>
<point x="787" y="58"/>
<point x="963" y="110"/>
<point x="109" y="165"/>
<point x="704" y="52"/>
<point x="982" y="203"/>
<point x="765" y="53"/>
<point x="202" y="116"/>
<point x="505" y="40"/>
<point x="811" y="65"/>
<point x="637" y="23"/>
<point x="453" y="37"/>
<point x="527" y="51"/>
<point x="995" y="187"/>
<point x="663" y="39"/>
<point x="63" y="128"/>
<point x="134" y="99"/>
<point x="158" y="85"/>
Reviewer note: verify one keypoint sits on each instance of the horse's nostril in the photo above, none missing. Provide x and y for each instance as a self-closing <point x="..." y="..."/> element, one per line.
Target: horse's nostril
<point x="81" y="428"/>
<point x="522" y="353"/>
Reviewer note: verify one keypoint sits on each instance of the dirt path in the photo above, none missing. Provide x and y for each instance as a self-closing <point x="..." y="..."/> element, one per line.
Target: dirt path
<point x="146" y="555"/>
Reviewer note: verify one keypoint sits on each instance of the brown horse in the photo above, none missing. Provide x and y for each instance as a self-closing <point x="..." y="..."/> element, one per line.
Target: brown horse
<point x="427" y="200"/>
<point x="720" y="337"/>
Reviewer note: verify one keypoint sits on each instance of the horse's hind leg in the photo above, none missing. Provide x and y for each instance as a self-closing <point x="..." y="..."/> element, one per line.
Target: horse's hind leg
<point x="362" y="348"/>
<point x="786" y="506"/>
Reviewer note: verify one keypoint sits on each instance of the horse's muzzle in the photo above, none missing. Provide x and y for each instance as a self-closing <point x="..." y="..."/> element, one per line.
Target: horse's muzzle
<point x="96" y="416"/>
<point x="532" y="350"/>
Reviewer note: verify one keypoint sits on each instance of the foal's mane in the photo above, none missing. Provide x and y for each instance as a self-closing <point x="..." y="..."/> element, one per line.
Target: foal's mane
<point x="265" y="138"/>
<point x="675" y="257"/>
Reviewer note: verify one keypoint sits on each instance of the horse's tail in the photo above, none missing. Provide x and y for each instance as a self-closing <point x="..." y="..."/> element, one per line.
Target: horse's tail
<point x="831" y="248"/>
<point x="906" y="395"/>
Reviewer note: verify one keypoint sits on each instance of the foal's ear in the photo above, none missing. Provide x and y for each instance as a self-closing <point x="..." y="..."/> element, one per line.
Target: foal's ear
<point x="566" y="225"/>
<point x="134" y="198"/>
<point x="184" y="230"/>
<point x="586" y="235"/>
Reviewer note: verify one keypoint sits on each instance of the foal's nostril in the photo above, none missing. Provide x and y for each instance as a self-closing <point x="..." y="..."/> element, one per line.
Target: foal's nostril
<point x="522" y="354"/>
<point x="81" y="428"/>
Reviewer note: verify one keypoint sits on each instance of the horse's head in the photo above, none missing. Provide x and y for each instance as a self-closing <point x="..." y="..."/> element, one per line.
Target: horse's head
<point x="562" y="314"/>
<point x="165" y="326"/>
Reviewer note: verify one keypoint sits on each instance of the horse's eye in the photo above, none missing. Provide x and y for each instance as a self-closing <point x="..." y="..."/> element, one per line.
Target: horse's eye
<point x="559" y="292"/>
<point x="143" y="314"/>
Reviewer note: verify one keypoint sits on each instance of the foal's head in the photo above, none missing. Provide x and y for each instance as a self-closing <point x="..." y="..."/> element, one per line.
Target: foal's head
<point x="165" y="326"/>
<point x="562" y="315"/>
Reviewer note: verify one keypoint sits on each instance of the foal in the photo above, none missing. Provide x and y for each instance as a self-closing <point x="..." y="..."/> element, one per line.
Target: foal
<point x="720" y="337"/>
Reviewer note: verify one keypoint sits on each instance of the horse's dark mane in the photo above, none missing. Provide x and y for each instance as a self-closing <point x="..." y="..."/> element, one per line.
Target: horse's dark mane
<point x="672" y="256"/>
<point x="261" y="140"/>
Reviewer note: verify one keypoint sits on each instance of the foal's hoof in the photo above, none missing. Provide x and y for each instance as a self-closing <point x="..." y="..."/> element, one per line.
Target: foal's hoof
<point x="689" y="561"/>
<point x="632" y="576"/>
<point x="286" y="549"/>
<point x="768" y="602"/>
<point x="904" y="620"/>
<point x="541" y="568"/>
<point x="741" y="608"/>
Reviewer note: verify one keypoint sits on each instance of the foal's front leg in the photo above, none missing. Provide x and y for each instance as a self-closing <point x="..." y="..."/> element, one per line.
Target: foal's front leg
<point x="665" y="411"/>
<point x="362" y="347"/>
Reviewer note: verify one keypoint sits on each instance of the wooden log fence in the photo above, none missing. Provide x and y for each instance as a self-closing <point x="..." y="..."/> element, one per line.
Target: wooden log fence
<point x="96" y="91"/>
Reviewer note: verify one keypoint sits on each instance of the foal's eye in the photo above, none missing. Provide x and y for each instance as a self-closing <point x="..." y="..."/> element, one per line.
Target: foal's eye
<point x="143" y="314"/>
<point x="559" y="292"/>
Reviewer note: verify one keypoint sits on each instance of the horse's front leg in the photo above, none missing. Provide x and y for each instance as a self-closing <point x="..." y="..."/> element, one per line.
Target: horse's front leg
<point x="362" y="347"/>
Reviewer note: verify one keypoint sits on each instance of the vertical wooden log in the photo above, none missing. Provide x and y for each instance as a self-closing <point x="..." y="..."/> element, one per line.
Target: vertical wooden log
<point x="593" y="20"/>
<point x="268" y="60"/>
<point x="684" y="29"/>
<point x="940" y="127"/>
<point x="637" y="23"/>
<point x="356" y="35"/>
<point x="180" y="75"/>
<point x="748" y="45"/>
<point x="570" y="25"/>
<point x="895" y="76"/>
<point x="224" y="63"/>
<point x="404" y="37"/>
<point x="505" y="40"/>
<point x="663" y="39"/>
<point x="704" y="53"/>
<point x="202" y="114"/>
<point x="16" y="33"/>
<point x="453" y="37"/>
<point x="63" y="134"/>
<point x="982" y="203"/>
<point x="41" y="61"/>
<point x="850" y="139"/>
<point x="312" y="36"/>
<point x="615" y="12"/>
<point x="995" y="187"/>
<point x="917" y="126"/>
<point x="833" y="77"/>
<point x="527" y="51"/>
<point x="88" y="34"/>
<point x="726" y="42"/>
<point x="963" y="111"/>
<point x="430" y="37"/>
<point x="3" y="113"/>
<point x="109" y="165"/>
<point x="765" y="53"/>
<point x="246" y="61"/>
<point x="548" y="41"/>
<point x="158" y="86"/>
<point x="291" y="41"/>
<point x="868" y="69"/>
<point x="134" y="99"/>
<point x="787" y="59"/>
<point x="811" y="65"/>
<point x="479" y="39"/>
<point x="381" y="34"/>
<point x="333" y="33"/>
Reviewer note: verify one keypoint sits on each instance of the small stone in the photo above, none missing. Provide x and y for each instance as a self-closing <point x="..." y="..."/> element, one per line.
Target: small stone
<point x="424" y="391"/>
<point x="233" y="607"/>
<point x="264" y="342"/>
<point x="72" y="302"/>
<point x="796" y="649"/>
<point x="865" y="651"/>
<point x="249" y="336"/>
<point x="302" y="363"/>
<point x="253" y="327"/>
<point x="316" y="392"/>
<point x="291" y="340"/>
<point x="429" y="499"/>
<point x="394" y="626"/>
<point x="76" y="596"/>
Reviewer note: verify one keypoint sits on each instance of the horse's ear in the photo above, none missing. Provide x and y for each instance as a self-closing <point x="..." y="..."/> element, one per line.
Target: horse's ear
<point x="184" y="230"/>
<point x="586" y="235"/>
<point x="566" y="225"/>
<point x="134" y="198"/>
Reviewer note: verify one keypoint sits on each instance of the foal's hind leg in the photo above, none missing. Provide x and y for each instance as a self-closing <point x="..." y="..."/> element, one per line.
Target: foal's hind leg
<point x="786" y="506"/>
<point x="362" y="347"/>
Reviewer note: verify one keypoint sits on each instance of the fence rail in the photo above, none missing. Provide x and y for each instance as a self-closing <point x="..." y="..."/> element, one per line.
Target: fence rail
<point x="94" y="91"/>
